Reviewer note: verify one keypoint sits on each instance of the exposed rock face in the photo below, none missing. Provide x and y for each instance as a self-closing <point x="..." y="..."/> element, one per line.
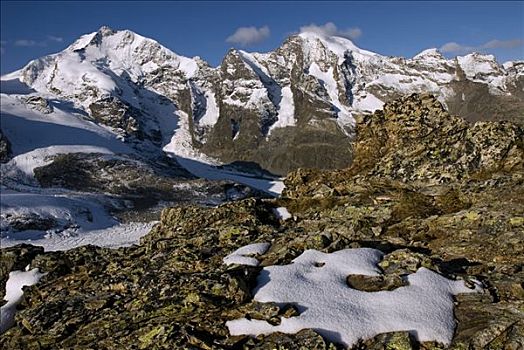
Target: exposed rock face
<point x="30" y="221"/>
<point x="140" y="184"/>
<point x="124" y="174"/>
<point x="289" y="108"/>
<point x="39" y="104"/>
<point x="116" y="114"/>
<point x="458" y="212"/>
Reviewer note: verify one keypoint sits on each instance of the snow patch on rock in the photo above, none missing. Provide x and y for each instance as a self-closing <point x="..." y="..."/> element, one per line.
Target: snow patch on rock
<point x="368" y="103"/>
<point x="241" y="255"/>
<point x="286" y="111"/>
<point x="210" y="117"/>
<point x="315" y="283"/>
<point x="14" y="293"/>
<point x="282" y="213"/>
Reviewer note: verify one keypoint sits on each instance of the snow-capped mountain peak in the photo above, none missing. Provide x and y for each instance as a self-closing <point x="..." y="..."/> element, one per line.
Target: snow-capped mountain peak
<point x="97" y="60"/>
<point x="134" y="52"/>
<point x="429" y="54"/>
<point x="475" y="64"/>
<point x="314" y="42"/>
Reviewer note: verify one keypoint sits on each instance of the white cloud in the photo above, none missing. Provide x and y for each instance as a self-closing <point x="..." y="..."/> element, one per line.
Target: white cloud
<point x="330" y="29"/>
<point x="50" y="39"/>
<point x="245" y="36"/>
<point x="453" y="47"/>
<point x="26" y="43"/>
<point x="55" y="38"/>
<point x="456" y="48"/>
<point x="503" y="44"/>
<point x="351" y="33"/>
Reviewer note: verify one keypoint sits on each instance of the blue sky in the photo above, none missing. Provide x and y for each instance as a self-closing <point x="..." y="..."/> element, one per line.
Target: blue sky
<point x="33" y="29"/>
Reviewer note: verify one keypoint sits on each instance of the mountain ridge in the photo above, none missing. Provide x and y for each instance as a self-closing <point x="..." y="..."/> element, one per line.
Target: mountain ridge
<point x="267" y="108"/>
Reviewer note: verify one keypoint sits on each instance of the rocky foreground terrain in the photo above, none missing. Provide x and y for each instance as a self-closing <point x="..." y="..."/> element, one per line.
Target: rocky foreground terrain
<point x="427" y="188"/>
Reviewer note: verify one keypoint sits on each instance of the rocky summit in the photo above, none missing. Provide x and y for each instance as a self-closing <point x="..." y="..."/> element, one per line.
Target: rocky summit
<point x="426" y="188"/>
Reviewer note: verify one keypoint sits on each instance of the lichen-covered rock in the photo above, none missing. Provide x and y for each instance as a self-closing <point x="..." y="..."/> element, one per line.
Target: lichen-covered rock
<point x="173" y="290"/>
<point x="391" y="341"/>
<point x="414" y="139"/>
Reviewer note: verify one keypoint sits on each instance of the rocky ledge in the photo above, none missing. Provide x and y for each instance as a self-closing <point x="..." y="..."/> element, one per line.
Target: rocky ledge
<point x="426" y="188"/>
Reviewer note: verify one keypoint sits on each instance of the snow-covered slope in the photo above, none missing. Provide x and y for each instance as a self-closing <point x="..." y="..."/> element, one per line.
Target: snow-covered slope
<point x="103" y="123"/>
<point x="96" y="61"/>
<point x="40" y="132"/>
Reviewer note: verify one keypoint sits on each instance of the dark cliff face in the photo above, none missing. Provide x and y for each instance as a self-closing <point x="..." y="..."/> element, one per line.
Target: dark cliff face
<point x="427" y="188"/>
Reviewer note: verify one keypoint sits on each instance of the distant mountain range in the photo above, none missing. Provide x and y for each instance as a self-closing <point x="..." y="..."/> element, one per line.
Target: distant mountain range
<point x="289" y="108"/>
